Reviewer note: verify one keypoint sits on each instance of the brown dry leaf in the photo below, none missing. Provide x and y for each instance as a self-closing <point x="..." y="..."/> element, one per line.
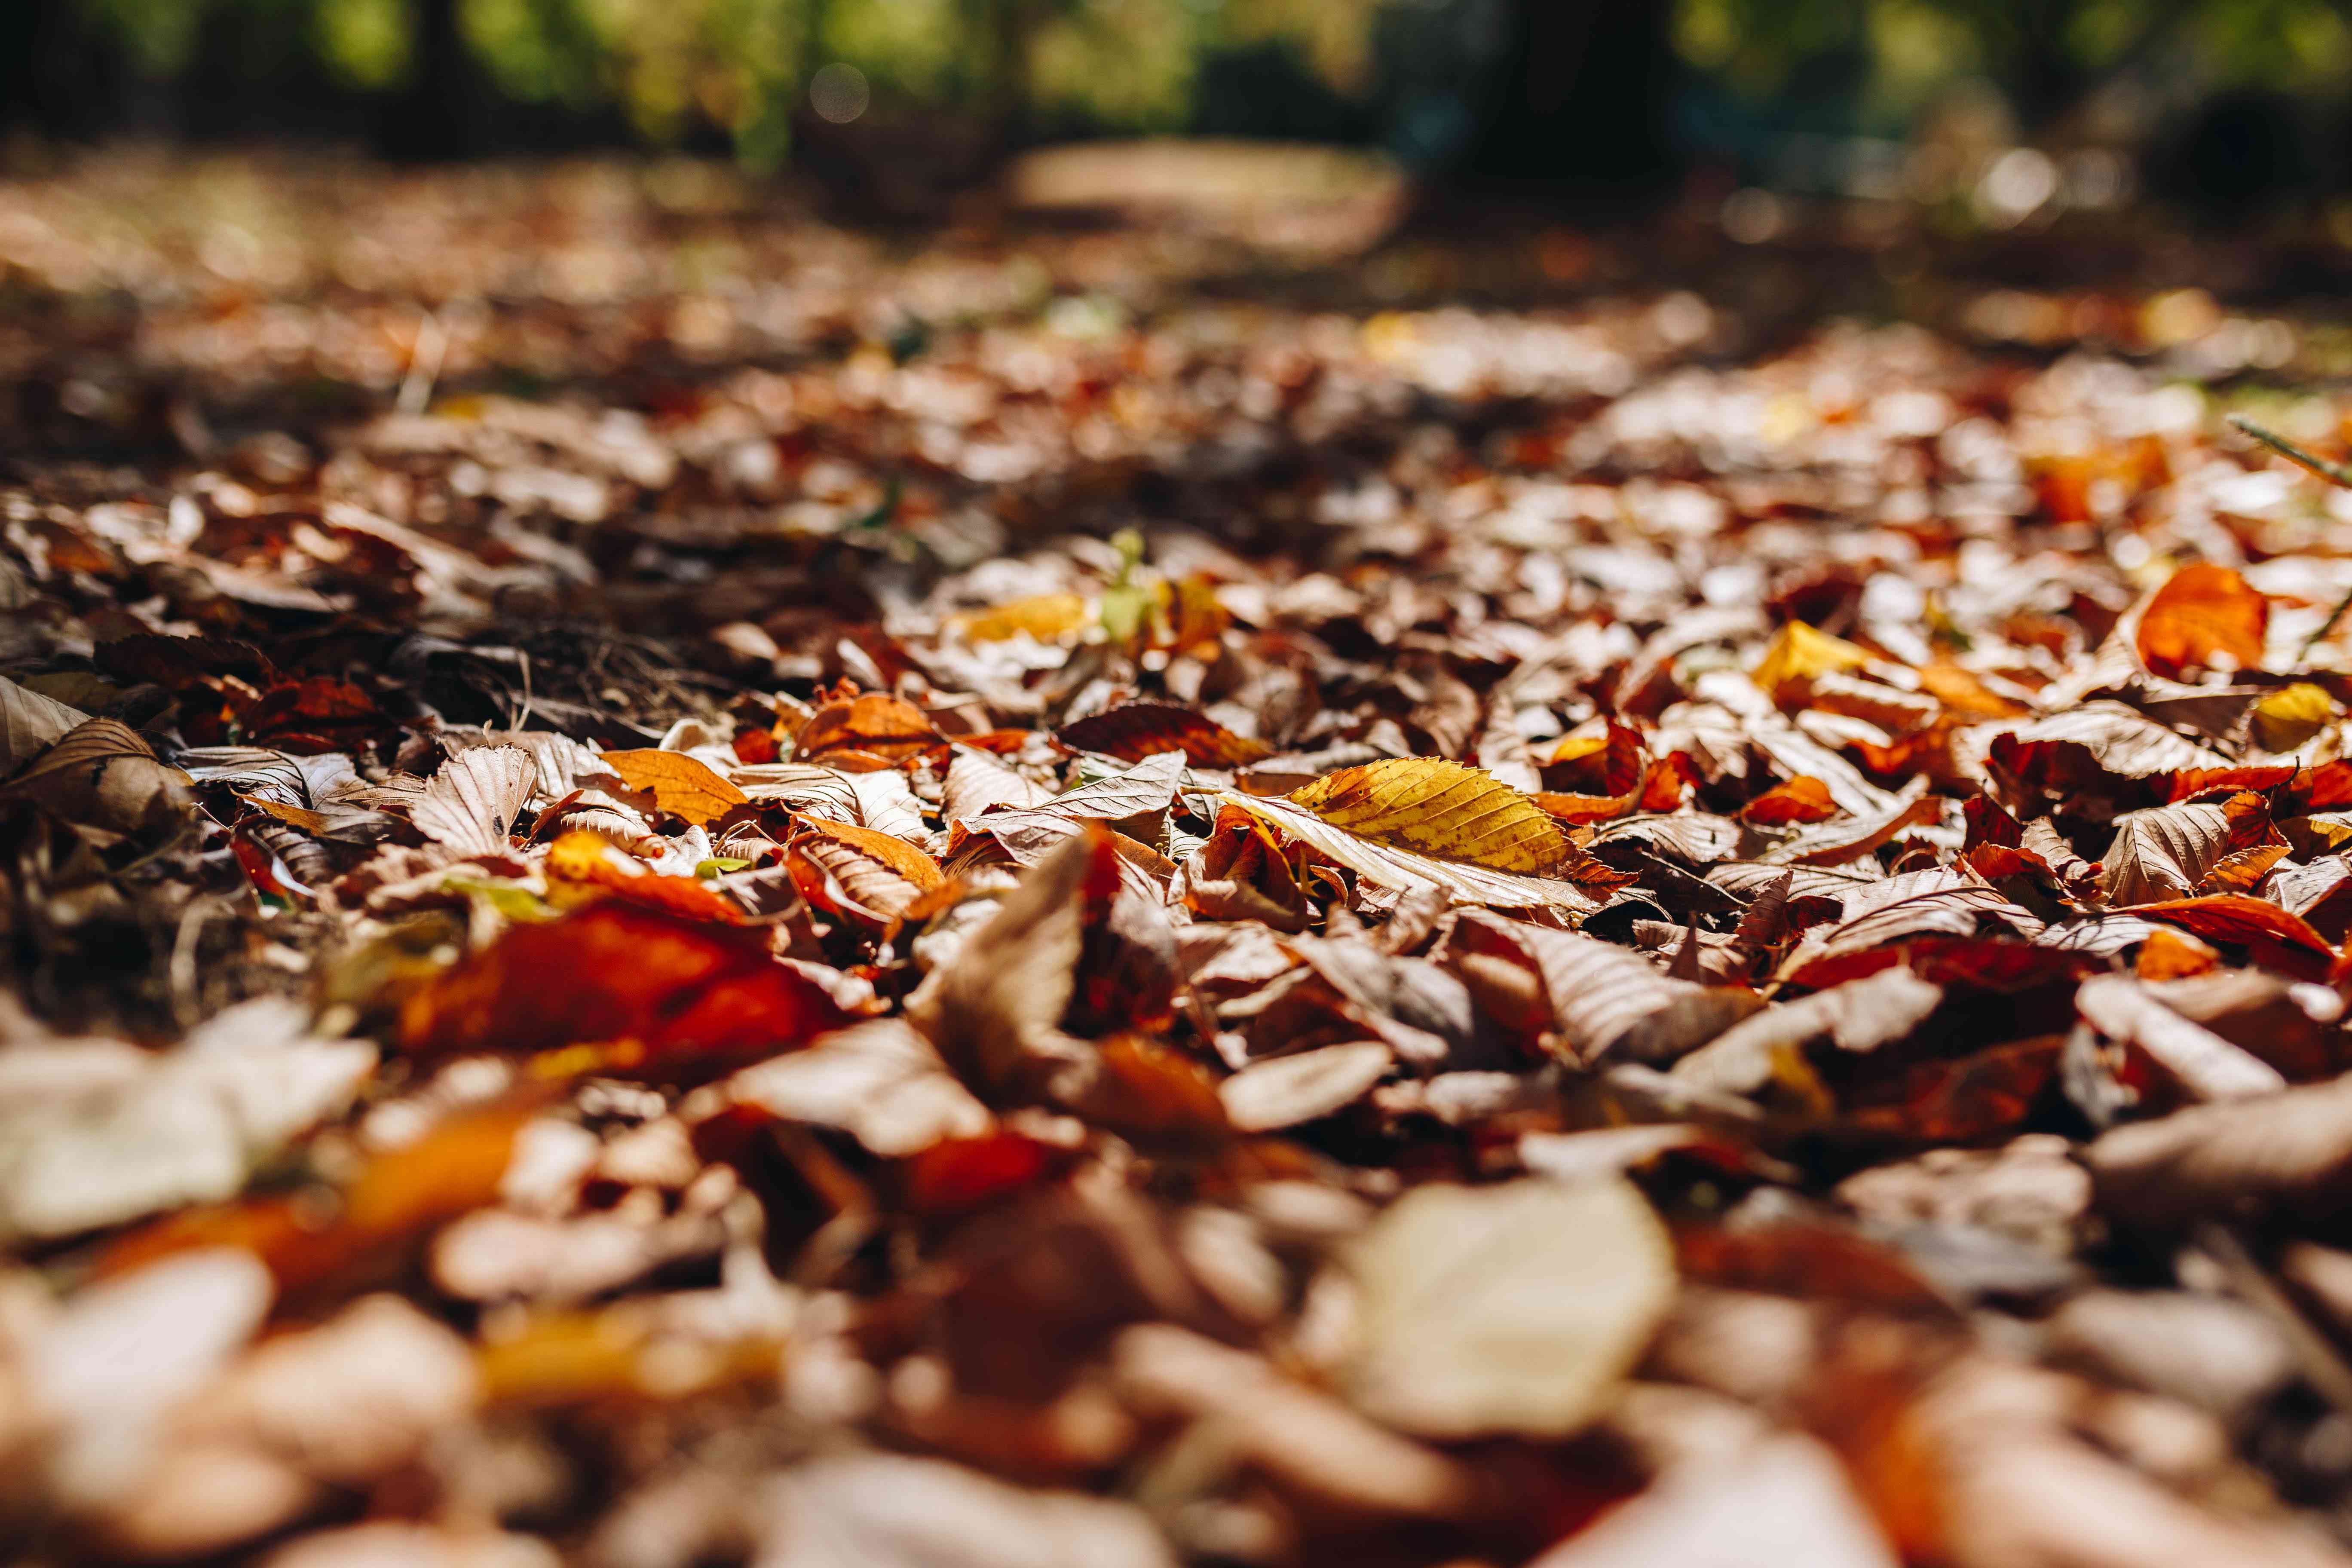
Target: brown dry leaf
<point x="879" y="1081"/>
<point x="1858" y="1015"/>
<point x="876" y="725"/>
<point x="876" y="873"/>
<point x="887" y="1510"/>
<point x="1608" y="1001"/>
<point x="1443" y="809"/>
<point x="2207" y="1066"/>
<point x="2204" y="617"/>
<point x="1300" y="1436"/>
<point x="471" y="803"/>
<point x="1783" y="1501"/>
<point x="1138" y="730"/>
<point x="103" y="777"/>
<point x="1517" y="1308"/>
<point x="996" y="1011"/>
<point x="29" y="721"/>
<point x="679" y="783"/>
<point x="2288" y="1154"/>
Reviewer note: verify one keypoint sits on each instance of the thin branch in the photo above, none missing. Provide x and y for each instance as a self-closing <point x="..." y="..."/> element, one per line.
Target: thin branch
<point x="2335" y="474"/>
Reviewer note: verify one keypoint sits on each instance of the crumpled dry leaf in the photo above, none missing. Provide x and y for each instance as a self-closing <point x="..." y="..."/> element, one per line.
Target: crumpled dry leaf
<point x="472" y="802"/>
<point x="875" y="873"/>
<point x="103" y="777"/>
<point x="1139" y="729"/>
<point x="2289" y="1152"/>
<point x="28" y="722"/>
<point x="2207" y="1066"/>
<point x="995" y="1012"/>
<point x="1606" y="1001"/>
<point x="1509" y="1308"/>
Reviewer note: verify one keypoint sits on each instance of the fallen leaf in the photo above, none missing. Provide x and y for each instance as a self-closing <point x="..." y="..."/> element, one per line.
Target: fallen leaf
<point x="1406" y="871"/>
<point x="679" y="993"/>
<point x="29" y="722"/>
<point x="2207" y="1066"/>
<point x="876" y="725"/>
<point x="1517" y="1308"/>
<point x="1443" y="809"/>
<point x="2291" y="715"/>
<point x="1798" y="652"/>
<point x="472" y="802"/>
<point x="1048" y="617"/>
<point x="2205" y="616"/>
<point x="1287" y="1090"/>
<point x="1140" y="730"/>
<point x="679" y="784"/>
<point x="879" y="1081"/>
<point x="1608" y="1001"/>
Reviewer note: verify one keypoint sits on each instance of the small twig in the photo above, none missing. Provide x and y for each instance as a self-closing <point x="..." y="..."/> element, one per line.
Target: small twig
<point x="423" y="364"/>
<point x="2335" y="474"/>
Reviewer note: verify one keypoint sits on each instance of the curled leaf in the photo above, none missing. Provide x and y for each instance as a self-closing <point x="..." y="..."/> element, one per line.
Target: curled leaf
<point x="1139" y="729"/>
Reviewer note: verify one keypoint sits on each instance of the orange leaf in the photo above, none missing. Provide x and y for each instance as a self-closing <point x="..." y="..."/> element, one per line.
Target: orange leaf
<point x="878" y="723"/>
<point x="393" y="1198"/>
<point x="2205" y="616"/>
<point x="1140" y="730"/>
<point x="584" y="866"/>
<point x="1803" y="799"/>
<point x="677" y="783"/>
<point x="892" y="851"/>
<point x="685" y="990"/>
<point x="2272" y="937"/>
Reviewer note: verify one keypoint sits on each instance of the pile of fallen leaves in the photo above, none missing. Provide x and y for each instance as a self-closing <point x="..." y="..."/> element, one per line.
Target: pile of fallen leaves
<point x="1143" y="930"/>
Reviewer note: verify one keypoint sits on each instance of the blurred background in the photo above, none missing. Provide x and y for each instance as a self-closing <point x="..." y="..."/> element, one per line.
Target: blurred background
<point x="1994" y="109"/>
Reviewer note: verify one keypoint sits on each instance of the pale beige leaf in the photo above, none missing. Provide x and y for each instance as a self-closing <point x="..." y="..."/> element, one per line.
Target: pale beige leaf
<point x="1517" y="1308"/>
<point x="471" y="803"/>
<point x="1287" y="1090"/>
<point x="880" y="1081"/>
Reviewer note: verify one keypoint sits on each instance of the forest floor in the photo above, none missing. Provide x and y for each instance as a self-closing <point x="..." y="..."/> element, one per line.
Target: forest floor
<point x="686" y="886"/>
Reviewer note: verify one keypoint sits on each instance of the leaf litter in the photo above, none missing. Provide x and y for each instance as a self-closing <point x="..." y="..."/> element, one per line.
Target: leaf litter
<point x="1300" y="928"/>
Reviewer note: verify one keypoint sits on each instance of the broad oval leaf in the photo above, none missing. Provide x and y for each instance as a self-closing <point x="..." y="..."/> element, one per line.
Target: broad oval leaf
<point x="2204" y="617"/>
<point x="681" y="784"/>
<point x="1443" y="809"/>
<point x="1517" y="1308"/>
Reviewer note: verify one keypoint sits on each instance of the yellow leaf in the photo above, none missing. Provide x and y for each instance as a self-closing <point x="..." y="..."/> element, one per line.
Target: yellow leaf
<point x="1443" y="809"/>
<point x="2291" y="715"/>
<point x="1048" y="617"/>
<point x="677" y="783"/>
<point x="1798" y="652"/>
